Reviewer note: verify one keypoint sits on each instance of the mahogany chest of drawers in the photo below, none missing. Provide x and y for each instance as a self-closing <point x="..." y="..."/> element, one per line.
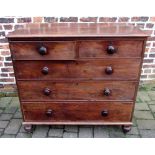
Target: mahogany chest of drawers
<point x="77" y="73"/>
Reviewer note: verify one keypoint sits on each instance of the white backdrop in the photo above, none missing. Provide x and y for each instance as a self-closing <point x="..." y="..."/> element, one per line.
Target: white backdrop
<point x="77" y="8"/>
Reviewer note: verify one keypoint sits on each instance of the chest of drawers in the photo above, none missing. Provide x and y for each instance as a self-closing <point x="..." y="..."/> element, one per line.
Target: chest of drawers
<point x="77" y="73"/>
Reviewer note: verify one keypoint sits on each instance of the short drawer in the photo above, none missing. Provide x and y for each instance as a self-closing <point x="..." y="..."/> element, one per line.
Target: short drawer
<point x="109" y="69"/>
<point x="110" y="49"/>
<point x="74" y="90"/>
<point x="77" y="111"/>
<point x="43" y="50"/>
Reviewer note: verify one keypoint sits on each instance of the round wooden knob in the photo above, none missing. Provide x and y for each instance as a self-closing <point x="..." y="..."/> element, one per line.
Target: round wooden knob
<point x="109" y="70"/>
<point x="111" y="49"/>
<point x="106" y="91"/>
<point x="45" y="70"/>
<point x="104" y="113"/>
<point x="42" y="50"/>
<point x="49" y="112"/>
<point x="47" y="91"/>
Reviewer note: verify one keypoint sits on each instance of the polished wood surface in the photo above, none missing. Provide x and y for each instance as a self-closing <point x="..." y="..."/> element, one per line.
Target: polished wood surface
<point x="74" y="90"/>
<point x="77" y="73"/>
<point x="122" y="69"/>
<point x="74" y="50"/>
<point x="55" y="50"/>
<point x="99" y="49"/>
<point x="77" y="30"/>
<point x="81" y="111"/>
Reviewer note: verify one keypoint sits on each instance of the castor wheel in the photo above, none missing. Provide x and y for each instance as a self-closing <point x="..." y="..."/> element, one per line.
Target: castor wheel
<point x="28" y="128"/>
<point x="126" y="128"/>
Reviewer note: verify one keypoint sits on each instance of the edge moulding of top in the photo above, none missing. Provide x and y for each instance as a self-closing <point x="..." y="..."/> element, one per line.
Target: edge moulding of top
<point x="76" y="30"/>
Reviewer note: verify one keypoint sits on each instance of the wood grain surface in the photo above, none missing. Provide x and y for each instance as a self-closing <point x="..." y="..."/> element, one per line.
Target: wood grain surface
<point x="55" y="50"/>
<point x="98" y="49"/>
<point x="74" y="90"/>
<point x="42" y="30"/>
<point x="81" y="111"/>
<point x="123" y="69"/>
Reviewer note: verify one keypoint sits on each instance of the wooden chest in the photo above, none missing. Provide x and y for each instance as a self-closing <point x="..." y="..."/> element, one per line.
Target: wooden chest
<point x="77" y="73"/>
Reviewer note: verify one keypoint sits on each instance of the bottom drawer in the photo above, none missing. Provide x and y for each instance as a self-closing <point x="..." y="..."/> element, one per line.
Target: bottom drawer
<point x="77" y="111"/>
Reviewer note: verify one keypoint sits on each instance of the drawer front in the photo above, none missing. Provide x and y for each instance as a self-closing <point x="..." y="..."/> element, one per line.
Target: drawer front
<point x="43" y="50"/>
<point x="109" y="69"/>
<point x="71" y="90"/>
<point x="77" y="111"/>
<point x="121" y="48"/>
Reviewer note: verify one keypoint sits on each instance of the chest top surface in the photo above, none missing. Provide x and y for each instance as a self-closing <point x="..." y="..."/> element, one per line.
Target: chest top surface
<point x="51" y="30"/>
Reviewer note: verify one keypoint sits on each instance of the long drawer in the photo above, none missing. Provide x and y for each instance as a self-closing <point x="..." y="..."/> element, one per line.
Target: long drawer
<point x="77" y="111"/>
<point x="109" y="69"/>
<point x="76" y="90"/>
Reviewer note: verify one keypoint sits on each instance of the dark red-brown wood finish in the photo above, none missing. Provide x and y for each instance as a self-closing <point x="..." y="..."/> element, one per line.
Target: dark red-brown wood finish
<point x="111" y="69"/>
<point x="77" y="73"/>
<point x="75" y="90"/>
<point x="77" y="111"/>
<point x="48" y="30"/>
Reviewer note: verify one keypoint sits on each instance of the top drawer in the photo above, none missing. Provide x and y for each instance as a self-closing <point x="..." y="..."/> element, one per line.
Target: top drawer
<point x="110" y="49"/>
<point x="69" y="50"/>
<point x="61" y="50"/>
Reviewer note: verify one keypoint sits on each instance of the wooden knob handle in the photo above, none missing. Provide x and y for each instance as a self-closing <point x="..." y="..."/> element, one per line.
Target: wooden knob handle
<point x="47" y="91"/>
<point x="106" y="91"/>
<point x="109" y="70"/>
<point x="45" y="70"/>
<point x="49" y="112"/>
<point x="111" y="49"/>
<point x="42" y="50"/>
<point x="104" y="113"/>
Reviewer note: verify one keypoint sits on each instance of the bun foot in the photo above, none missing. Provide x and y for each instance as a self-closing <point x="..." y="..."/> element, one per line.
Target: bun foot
<point x="28" y="128"/>
<point x="126" y="128"/>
